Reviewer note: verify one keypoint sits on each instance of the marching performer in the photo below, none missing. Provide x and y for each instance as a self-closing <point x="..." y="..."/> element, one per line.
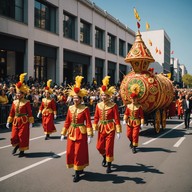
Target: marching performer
<point x="49" y="112"/>
<point x="78" y="129"/>
<point x="134" y="119"/>
<point x="106" y="122"/>
<point x="21" y="118"/>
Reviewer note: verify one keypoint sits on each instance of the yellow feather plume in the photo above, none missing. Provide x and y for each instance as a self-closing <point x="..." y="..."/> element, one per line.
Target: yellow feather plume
<point x="22" y="77"/>
<point x="49" y="83"/>
<point x="111" y="90"/>
<point x="78" y="80"/>
<point x="105" y="81"/>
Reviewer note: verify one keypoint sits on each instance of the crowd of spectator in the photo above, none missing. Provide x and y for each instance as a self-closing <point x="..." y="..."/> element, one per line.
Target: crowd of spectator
<point x="36" y="93"/>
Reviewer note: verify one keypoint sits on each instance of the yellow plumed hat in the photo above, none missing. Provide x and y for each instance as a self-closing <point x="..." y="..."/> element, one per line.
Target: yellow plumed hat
<point x="76" y="89"/>
<point x="48" y="87"/>
<point x="104" y="88"/>
<point x="20" y="86"/>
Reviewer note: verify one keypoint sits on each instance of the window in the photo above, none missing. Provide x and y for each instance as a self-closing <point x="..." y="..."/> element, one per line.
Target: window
<point x="121" y="48"/>
<point x="111" y="43"/>
<point x="85" y="32"/>
<point x="128" y="47"/>
<point x="69" y="26"/>
<point x="13" y="9"/>
<point x="40" y="68"/>
<point x="45" y="16"/>
<point x="99" y="38"/>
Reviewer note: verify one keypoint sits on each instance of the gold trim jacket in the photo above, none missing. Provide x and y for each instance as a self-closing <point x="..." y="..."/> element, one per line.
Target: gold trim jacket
<point x="78" y="122"/>
<point x="106" y="118"/>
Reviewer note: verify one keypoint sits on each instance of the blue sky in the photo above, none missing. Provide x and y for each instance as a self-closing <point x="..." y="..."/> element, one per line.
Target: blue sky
<point x="174" y="16"/>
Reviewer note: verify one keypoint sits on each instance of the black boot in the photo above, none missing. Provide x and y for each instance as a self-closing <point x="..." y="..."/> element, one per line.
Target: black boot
<point x="108" y="167"/>
<point x="76" y="177"/>
<point x="131" y="145"/>
<point x="47" y="137"/>
<point x="21" y="154"/>
<point x="104" y="161"/>
<point x="134" y="149"/>
<point x="15" y="149"/>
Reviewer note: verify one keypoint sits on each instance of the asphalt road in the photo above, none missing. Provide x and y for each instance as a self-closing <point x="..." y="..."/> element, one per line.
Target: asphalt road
<point x="163" y="163"/>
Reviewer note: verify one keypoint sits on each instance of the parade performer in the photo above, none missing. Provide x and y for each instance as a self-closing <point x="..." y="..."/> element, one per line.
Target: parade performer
<point x="106" y="122"/>
<point x="134" y="120"/>
<point x="179" y="106"/>
<point x="48" y="111"/>
<point x="78" y="132"/>
<point x="21" y="118"/>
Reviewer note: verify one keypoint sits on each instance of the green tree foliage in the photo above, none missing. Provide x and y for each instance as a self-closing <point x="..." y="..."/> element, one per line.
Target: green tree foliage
<point x="187" y="80"/>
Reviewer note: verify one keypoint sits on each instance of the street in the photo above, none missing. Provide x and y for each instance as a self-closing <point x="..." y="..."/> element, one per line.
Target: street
<point x="163" y="163"/>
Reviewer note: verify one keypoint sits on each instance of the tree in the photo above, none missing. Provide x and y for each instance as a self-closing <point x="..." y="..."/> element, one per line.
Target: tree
<point x="187" y="80"/>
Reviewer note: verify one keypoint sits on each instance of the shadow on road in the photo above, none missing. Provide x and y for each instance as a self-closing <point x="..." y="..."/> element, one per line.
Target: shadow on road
<point x="114" y="178"/>
<point x="154" y="149"/>
<point x="42" y="154"/>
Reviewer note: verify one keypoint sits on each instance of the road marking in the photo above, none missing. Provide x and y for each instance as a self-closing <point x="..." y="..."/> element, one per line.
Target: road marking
<point x="30" y="140"/>
<point x="147" y="142"/>
<point x="179" y="142"/>
<point x="31" y="166"/>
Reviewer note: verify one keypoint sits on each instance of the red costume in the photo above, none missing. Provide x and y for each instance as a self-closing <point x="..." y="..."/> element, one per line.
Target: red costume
<point x="20" y="116"/>
<point x="77" y="132"/>
<point x="134" y="117"/>
<point x="179" y="105"/>
<point x="106" y="121"/>
<point x="48" y="109"/>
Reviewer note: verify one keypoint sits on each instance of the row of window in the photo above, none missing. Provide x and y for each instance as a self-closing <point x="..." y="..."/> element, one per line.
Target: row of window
<point x="45" y="18"/>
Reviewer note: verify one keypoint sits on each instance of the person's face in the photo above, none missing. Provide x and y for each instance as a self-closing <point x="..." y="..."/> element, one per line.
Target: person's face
<point x="134" y="100"/>
<point x="47" y="95"/>
<point x="76" y="100"/>
<point x="19" y="95"/>
<point x="104" y="97"/>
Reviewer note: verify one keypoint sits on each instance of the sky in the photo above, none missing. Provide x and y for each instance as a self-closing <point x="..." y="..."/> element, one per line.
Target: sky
<point x="173" y="16"/>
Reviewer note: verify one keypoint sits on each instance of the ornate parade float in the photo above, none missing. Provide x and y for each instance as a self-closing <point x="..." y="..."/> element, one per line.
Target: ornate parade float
<point x="155" y="91"/>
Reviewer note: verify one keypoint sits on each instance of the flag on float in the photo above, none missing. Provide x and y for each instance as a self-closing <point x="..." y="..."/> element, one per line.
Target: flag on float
<point x="156" y="50"/>
<point x="150" y="42"/>
<point x="136" y="14"/>
<point x="147" y="26"/>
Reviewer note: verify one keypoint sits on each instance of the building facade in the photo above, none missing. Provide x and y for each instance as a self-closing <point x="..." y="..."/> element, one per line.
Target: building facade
<point x="59" y="39"/>
<point x="159" y="44"/>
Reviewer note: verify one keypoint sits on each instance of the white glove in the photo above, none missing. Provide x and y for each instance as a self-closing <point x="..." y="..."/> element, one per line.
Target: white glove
<point x="62" y="137"/>
<point x="38" y="115"/>
<point x="7" y="125"/>
<point x="89" y="139"/>
<point x="55" y="116"/>
<point x="118" y="135"/>
<point x="124" y="122"/>
<point x="30" y="125"/>
<point x="142" y="126"/>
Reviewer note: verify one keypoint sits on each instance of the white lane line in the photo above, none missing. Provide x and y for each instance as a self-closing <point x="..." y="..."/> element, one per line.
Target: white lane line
<point x="30" y="166"/>
<point x="179" y="142"/>
<point x="30" y="140"/>
<point x="147" y="142"/>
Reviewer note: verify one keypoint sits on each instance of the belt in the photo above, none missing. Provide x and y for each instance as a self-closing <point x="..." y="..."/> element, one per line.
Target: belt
<point x="76" y="125"/>
<point x="104" y="122"/>
<point x="20" y="114"/>
<point x="133" y="118"/>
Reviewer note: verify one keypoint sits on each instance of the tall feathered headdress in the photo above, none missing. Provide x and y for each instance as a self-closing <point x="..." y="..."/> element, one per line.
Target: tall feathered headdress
<point x="76" y="89"/>
<point x="104" y="88"/>
<point x="20" y="86"/>
<point x="48" y="87"/>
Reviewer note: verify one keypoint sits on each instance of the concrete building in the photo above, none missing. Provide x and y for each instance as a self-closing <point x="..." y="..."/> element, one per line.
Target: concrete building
<point x="159" y="44"/>
<point x="58" y="39"/>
